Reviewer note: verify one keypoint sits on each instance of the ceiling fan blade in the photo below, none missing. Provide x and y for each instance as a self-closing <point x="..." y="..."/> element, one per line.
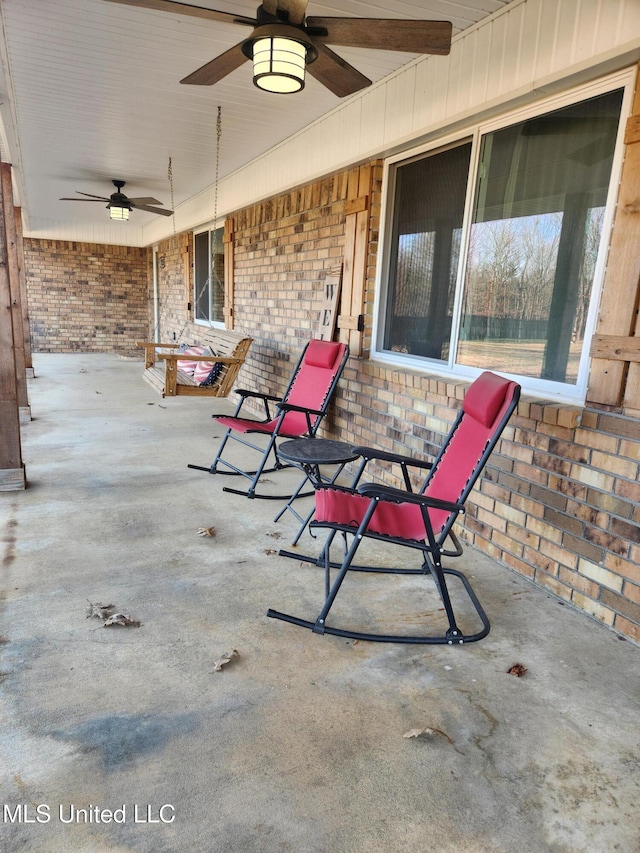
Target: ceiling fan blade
<point x="149" y="209"/>
<point x="379" y="34"/>
<point x="72" y="198"/>
<point x="91" y="195"/>
<point x="138" y="201"/>
<point x="218" y="68"/>
<point x="188" y="9"/>
<point x="295" y="9"/>
<point x="335" y="73"/>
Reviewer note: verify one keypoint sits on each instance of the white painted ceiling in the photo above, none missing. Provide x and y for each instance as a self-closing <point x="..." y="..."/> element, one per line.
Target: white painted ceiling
<point x="90" y="91"/>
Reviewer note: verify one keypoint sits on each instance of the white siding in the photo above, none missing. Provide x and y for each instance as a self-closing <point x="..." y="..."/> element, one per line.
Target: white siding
<point x="518" y="55"/>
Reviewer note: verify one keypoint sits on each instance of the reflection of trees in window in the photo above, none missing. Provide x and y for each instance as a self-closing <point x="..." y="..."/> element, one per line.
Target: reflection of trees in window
<point x="217" y="275"/>
<point x="510" y="276"/>
<point x="587" y="271"/>
<point x="413" y="274"/>
<point x="209" y="275"/>
<point x="533" y="239"/>
<point x="424" y="259"/>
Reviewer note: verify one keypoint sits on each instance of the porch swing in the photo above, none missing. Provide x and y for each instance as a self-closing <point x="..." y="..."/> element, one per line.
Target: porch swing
<point x="210" y="367"/>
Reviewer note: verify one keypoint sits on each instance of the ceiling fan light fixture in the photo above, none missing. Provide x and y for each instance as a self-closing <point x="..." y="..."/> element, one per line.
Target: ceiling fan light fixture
<point x="280" y="53"/>
<point x="279" y="65"/>
<point x="119" y="213"/>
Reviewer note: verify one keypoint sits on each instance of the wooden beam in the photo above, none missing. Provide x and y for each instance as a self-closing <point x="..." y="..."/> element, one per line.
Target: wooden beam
<point x="353" y="323"/>
<point x="12" y="473"/>
<point x="356" y="205"/>
<point x="616" y="347"/>
<point x="356" y="254"/>
<point x="26" y="327"/>
<point x="14" y="289"/>
<point x="611" y="381"/>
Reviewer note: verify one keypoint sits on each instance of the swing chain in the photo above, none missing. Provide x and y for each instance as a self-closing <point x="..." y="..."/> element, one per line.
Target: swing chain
<point x="217" y="175"/>
<point x="207" y="282"/>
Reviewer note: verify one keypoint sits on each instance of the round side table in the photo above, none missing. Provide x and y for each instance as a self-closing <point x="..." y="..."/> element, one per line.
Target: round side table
<point x="310" y="454"/>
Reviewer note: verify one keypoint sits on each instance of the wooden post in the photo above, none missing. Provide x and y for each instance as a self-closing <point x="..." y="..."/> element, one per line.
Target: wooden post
<point x="614" y="380"/>
<point x="356" y="250"/>
<point x="12" y="472"/>
<point x="13" y="270"/>
<point x="26" y="328"/>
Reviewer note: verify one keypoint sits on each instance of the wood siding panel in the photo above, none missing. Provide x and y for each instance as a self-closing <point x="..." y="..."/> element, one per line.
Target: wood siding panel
<point x="619" y="303"/>
<point x="400" y="97"/>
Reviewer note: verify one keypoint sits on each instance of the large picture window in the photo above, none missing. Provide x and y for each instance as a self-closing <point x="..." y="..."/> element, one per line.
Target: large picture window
<point x="209" y="276"/>
<point x="494" y="242"/>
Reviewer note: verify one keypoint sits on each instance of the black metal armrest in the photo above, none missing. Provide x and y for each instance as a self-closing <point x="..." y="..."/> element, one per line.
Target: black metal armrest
<point x="377" y="490"/>
<point x="289" y="407"/>
<point x="244" y="393"/>
<point x="373" y="453"/>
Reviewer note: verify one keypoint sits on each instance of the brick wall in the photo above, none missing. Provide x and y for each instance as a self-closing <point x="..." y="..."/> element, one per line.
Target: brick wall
<point x="86" y="297"/>
<point x="283" y="249"/>
<point x="559" y="500"/>
<point x="174" y="290"/>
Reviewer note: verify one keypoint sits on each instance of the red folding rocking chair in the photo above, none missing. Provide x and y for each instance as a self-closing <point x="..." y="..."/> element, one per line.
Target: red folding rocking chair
<point x="298" y="413"/>
<point x="419" y="520"/>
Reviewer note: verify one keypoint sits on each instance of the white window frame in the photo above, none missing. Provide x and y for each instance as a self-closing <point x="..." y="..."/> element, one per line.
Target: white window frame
<point x="560" y="392"/>
<point x="209" y="228"/>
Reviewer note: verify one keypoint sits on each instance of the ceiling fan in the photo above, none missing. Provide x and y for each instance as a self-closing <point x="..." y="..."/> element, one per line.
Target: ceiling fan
<point x="119" y="205"/>
<point x="284" y="42"/>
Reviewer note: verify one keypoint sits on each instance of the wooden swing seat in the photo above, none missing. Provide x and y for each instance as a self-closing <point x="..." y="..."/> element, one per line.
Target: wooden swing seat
<point x="230" y="348"/>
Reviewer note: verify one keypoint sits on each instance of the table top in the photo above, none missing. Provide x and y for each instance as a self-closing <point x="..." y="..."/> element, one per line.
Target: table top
<point x="317" y="451"/>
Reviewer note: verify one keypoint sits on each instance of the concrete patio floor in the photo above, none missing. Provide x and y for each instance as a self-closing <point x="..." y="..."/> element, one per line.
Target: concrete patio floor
<point x="297" y="745"/>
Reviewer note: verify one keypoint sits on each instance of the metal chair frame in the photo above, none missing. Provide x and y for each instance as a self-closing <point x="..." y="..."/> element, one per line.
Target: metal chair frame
<point x="275" y="420"/>
<point x="432" y="548"/>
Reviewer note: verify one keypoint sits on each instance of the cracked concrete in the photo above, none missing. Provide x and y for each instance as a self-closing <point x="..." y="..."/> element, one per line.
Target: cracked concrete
<point x="298" y="744"/>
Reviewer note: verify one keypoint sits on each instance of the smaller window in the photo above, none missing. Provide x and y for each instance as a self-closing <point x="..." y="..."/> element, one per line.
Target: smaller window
<point x="209" y="276"/>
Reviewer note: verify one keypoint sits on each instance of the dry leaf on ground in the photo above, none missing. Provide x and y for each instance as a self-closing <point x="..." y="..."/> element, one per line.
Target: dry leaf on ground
<point x="206" y="531"/>
<point x="518" y="669"/>
<point x="122" y="620"/>
<point x="100" y="611"/>
<point x="226" y="658"/>
<point x="427" y="730"/>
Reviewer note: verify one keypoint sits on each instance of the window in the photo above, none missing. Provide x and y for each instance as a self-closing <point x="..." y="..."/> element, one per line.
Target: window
<point x="429" y="209"/>
<point x="493" y="246"/>
<point x="209" y="276"/>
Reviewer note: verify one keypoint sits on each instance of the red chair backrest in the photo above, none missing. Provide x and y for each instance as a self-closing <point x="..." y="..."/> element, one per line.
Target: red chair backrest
<point x="485" y="411"/>
<point x="460" y="461"/>
<point x="313" y="382"/>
